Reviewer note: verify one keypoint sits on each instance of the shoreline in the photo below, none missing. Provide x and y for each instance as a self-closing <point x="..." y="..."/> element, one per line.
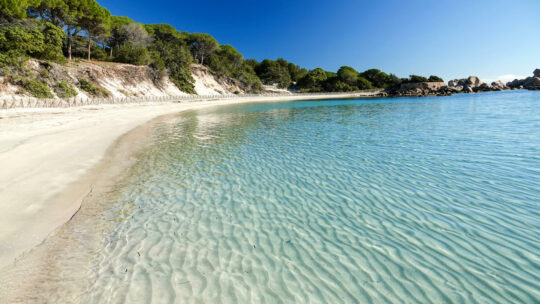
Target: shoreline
<point x="51" y="158"/>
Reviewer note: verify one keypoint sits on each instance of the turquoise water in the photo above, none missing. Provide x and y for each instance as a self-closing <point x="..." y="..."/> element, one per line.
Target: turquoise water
<point x="419" y="200"/>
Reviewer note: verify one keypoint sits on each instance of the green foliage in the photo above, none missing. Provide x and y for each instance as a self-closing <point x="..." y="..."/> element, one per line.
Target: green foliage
<point x="202" y="46"/>
<point x="252" y="63"/>
<point x="52" y="38"/>
<point x="363" y="84"/>
<point x="296" y="72"/>
<point x="247" y="76"/>
<point x="348" y="75"/>
<point x="94" y="20"/>
<point x="132" y="33"/>
<point x="39" y="40"/>
<point x="35" y="87"/>
<point x="165" y="33"/>
<point x="183" y="79"/>
<point x="11" y="59"/>
<point x="119" y="21"/>
<point x="376" y="77"/>
<point x="392" y="81"/>
<point x="98" y="53"/>
<point x="170" y="51"/>
<point x="434" y="78"/>
<point x="335" y="84"/>
<point x="416" y="79"/>
<point x="226" y="61"/>
<point x="64" y="90"/>
<point x="91" y="89"/>
<point x="274" y="72"/>
<point x="132" y="54"/>
<point x="313" y="80"/>
<point x="16" y="8"/>
<point x="21" y="40"/>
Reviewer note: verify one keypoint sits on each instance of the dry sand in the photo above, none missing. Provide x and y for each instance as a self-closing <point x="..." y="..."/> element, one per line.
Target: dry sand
<point x="48" y="161"/>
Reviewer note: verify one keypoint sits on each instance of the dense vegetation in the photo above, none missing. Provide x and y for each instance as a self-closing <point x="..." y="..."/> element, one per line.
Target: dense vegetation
<point x="59" y="30"/>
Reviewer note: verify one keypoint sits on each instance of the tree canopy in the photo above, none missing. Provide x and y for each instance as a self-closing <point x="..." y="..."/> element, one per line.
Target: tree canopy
<point x="202" y="46"/>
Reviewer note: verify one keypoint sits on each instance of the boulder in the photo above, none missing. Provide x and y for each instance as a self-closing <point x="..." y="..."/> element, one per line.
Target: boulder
<point x="452" y="83"/>
<point x="498" y="85"/>
<point x="484" y="87"/>
<point x="474" y="81"/>
<point x="536" y="73"/>
<point x="432" y="86"/>
<point x="514" y="84"/>
<point x="532" y="83"/>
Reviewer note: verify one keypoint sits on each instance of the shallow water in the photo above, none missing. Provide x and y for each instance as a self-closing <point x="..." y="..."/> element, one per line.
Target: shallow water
<point x="409" y="200"/>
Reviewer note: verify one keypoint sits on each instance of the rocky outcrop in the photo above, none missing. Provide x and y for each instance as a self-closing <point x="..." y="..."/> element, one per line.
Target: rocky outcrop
<point x="529" y="83"/>
<point x="470" y="84"/>
<point x="474" y="84"/>
<point x="417" y="89"/>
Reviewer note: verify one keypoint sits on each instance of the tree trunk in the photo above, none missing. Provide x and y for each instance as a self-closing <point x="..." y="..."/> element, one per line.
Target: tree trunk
<point x="89" y="45"/>
<point x="110" y="51"/>
<point x="69" y="43"/>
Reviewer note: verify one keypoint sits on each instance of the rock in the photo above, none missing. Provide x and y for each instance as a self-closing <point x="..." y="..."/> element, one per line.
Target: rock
<point x="532" y="83"/>
<point x="422" y="85"/>
<point x="514" y="84"/>
<point x="498" y="85"/>
<point x="484" y="87"/>
<point x="536" y="73"/>
<point x="421" y="88"/>
<point x="474" y="81"/>
<point x="452" y="83"/>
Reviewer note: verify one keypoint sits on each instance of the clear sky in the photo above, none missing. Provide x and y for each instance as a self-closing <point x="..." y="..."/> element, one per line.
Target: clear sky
<point x="487" y="38"/>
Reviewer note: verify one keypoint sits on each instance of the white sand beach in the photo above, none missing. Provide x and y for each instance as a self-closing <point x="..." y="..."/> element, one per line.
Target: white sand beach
<point x="47" y="157"/>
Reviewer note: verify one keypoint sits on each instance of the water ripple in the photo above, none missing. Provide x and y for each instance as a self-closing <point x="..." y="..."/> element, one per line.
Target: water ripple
<point x="433" y="200"/>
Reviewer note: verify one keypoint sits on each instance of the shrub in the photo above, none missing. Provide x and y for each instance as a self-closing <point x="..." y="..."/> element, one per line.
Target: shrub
<point x="36" y="88"/>
<point x="98" y="53"/>
<point x="364" y="84"/>
<point x="21" y="40"/>
<point x="52" y="39"/>
<point x="434" y="78"/>
<point x="88" y="87"/>
<point x="64" y="90"/>
<point x="132" y="54"/>
<point x="417" y="79"/>
<point x="37" y="39"/>
<point x="12" y="59"/>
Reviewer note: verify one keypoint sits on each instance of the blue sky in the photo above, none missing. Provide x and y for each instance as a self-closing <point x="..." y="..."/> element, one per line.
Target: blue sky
<point x="487" y="38"/>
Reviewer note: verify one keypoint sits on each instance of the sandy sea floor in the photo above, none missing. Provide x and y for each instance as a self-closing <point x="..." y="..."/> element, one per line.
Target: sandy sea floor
<point x="52" y="159"/>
